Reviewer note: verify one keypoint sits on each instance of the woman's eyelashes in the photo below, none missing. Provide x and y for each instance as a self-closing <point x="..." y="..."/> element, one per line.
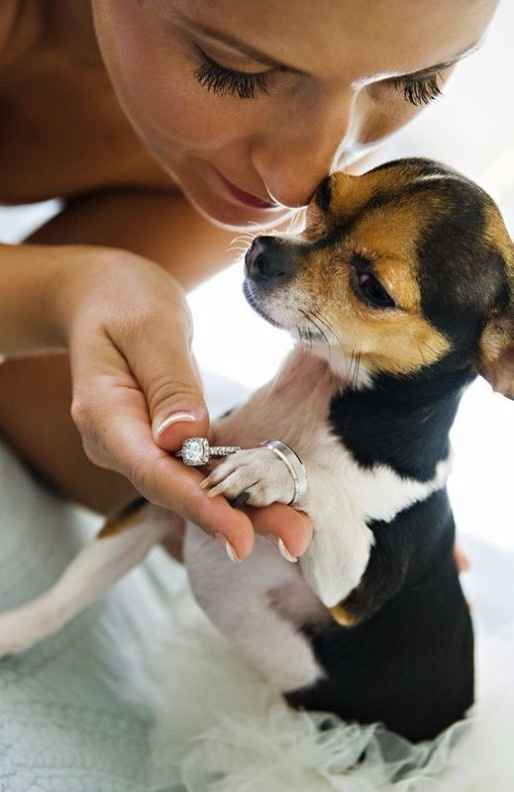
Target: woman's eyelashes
<point x="228" y="82"/>
<point x="222" y="81"/>
<point x="419" y="90"/>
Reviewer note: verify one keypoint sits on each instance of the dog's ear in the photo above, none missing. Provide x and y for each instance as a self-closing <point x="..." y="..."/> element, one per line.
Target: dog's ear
<point x="496" y="353"/>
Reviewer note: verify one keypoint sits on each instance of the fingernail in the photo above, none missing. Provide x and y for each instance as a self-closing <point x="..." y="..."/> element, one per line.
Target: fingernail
<point x="285" y="552"/>
<point x="204" y="482"/>
<point x="177" y="417"/>
<point x="228" y="547"/>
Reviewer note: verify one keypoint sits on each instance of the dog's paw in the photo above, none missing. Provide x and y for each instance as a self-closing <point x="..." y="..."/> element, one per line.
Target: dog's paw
<point x="257" y="473"/>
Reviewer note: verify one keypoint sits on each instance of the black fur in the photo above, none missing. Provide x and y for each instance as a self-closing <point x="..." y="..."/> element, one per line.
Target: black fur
<point x="410" y="665"/>
<point x="402" y="422"/>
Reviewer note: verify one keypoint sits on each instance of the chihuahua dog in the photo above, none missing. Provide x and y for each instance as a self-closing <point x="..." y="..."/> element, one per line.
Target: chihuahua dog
<point x="400" y="291"/>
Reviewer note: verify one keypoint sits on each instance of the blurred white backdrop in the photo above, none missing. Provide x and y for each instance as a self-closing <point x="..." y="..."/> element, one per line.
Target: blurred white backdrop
<point x="471" y="128"/>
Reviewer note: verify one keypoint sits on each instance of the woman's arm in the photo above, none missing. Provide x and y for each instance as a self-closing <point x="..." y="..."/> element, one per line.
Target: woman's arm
<point x="160" y="226"/>
<point x="27" y="275"/>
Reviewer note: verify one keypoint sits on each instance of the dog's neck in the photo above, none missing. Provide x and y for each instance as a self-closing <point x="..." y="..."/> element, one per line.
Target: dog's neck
<point x="382" y="420"/>
<point x="403" y="422"/>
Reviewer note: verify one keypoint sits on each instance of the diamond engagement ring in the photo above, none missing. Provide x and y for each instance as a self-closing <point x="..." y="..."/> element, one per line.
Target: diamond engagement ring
<point x="196" y="451"/>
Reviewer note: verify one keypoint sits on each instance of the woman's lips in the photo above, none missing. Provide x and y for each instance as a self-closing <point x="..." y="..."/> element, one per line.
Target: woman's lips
<point x="245" y="198"/>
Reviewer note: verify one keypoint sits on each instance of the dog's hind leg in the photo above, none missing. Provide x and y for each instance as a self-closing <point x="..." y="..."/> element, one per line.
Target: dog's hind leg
<point x="122" y="543"/>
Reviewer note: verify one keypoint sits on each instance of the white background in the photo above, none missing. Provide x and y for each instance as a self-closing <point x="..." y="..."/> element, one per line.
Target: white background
<point x="472" y="129"/>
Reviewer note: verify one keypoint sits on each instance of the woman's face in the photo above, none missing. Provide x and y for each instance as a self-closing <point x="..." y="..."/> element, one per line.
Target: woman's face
<point x="267" y="97"/>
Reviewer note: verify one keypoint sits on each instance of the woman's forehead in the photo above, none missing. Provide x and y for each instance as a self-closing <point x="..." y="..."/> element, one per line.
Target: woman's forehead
<point x="382" y="37"/>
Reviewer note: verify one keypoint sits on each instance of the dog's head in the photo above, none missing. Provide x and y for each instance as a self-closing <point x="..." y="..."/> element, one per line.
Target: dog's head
<point x="401" y="268"/>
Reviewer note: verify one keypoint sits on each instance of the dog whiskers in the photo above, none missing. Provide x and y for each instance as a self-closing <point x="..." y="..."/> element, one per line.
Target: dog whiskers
<point x="355" y="365"/>
<point x="241" y="242"/>
<point x="305" y="336"/>
<point x="240" y="251"/>
<point x="316" y="320"/>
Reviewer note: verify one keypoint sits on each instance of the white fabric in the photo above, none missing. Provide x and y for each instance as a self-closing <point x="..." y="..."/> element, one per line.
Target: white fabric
<point x="139" y="693"/>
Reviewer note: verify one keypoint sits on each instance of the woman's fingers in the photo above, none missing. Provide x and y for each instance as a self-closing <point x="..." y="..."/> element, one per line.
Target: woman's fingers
<point x="280" y="522"/>
<point x="111" y="414"/>
<point x="161" y="360"/>
<point x="167" y="482"/>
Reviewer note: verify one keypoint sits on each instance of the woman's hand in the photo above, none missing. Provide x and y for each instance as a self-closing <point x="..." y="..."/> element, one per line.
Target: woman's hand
<point x="137" y="392"/>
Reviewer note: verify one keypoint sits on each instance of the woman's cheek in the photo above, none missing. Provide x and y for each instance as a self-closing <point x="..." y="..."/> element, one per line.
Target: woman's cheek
<point x="154" y="79"/>
<point x="181" y="112"/>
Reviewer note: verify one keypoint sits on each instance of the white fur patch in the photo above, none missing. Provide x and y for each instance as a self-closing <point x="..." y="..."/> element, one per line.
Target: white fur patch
<point x="440" y="176"/>
<point x="343" y="366"/>
<point x="342" y="498"/>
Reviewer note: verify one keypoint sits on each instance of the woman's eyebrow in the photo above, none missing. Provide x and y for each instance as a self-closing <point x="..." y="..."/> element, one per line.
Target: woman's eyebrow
<point x="428" y="70"/>
<point x="263" y="57"/>
<point x="445" y="64"/>
<point x="242" y="46"/>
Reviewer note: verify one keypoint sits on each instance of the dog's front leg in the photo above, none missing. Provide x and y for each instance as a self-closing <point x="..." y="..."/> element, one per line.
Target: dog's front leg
<point x="338" y="555"/>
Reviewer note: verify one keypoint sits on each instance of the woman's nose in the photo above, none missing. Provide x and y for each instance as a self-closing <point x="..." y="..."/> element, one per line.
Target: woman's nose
<point x="299" y="153"/>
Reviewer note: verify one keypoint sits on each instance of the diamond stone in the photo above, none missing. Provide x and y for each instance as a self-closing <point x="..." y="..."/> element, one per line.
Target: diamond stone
<point x="195" y="451"/>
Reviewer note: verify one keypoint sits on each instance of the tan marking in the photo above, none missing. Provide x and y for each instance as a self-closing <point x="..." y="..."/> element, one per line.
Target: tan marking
<point x="350" y="193"/>
<point x="342" y="617"/>
<point x="388" y="236"/>
<point x="496" y="351"/>
<point x="315" y="223"/>
<point x="496" y="361"/>
<point x="127" y="517"/>
<point x="495" y="338"/>
<point x="496" y="234"/>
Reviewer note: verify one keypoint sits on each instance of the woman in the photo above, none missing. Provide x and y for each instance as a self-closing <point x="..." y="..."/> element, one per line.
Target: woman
<point x="166" y="126"/>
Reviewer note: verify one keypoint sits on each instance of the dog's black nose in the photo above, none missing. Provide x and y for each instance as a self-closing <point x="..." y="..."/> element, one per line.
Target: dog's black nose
<point x="268" y="261"/>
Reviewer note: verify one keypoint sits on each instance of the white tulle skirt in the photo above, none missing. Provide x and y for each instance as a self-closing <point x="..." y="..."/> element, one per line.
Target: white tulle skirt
<point x="224" y="730"/>
<point x="140" y="693"/>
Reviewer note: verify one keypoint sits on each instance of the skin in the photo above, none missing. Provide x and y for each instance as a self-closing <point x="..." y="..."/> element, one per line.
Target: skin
<point x="156" y="219"/>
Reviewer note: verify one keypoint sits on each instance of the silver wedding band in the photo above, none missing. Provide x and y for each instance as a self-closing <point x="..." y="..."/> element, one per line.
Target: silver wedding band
<point x="294" y="465"/>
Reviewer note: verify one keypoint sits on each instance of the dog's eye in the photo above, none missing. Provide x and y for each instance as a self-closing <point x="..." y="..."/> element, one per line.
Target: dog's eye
<point x="369" y="289"/>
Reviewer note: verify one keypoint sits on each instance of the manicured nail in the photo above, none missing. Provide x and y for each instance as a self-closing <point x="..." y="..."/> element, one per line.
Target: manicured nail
<point x="228" y="547"/>
<point x="177" y="417"/>
<point x="285" y="552"/>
